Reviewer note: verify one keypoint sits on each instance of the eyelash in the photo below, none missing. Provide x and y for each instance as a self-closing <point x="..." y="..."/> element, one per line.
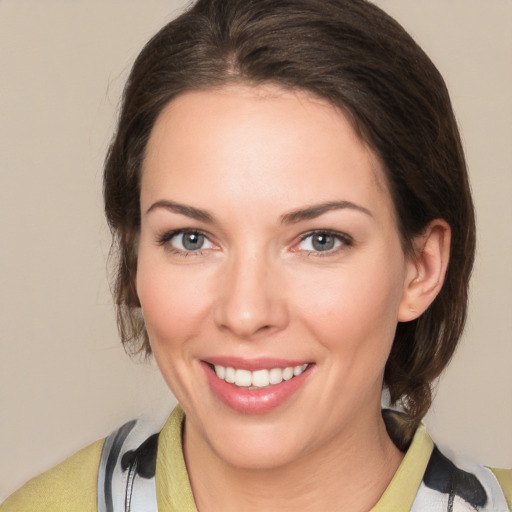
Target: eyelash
<point x="343" y="239"/>
<point x="166" y="237"/>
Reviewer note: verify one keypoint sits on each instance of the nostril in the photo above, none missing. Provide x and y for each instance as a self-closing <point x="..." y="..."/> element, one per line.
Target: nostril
<point x="246" y="306"/>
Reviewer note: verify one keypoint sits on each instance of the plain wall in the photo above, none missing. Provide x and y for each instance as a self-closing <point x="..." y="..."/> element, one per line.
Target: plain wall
<point x="64" y="378"/>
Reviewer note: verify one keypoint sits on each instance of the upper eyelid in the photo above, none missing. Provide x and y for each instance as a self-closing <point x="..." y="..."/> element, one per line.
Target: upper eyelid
<point x="345" y="242"/>
<point x="164" y="240"/>
<point x="337" y="234"/>
<point x="166" y="236"/>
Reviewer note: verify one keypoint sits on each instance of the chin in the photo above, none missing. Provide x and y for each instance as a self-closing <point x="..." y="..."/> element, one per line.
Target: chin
<point x="256" y="446"/>
<point x="244" y="455"/>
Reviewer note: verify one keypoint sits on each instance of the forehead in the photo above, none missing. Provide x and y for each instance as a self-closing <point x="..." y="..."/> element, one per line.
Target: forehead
<point x="249" y="137"/>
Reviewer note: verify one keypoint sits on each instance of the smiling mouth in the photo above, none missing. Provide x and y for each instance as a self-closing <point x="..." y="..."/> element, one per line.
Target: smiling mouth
<point x="257" y="379"/>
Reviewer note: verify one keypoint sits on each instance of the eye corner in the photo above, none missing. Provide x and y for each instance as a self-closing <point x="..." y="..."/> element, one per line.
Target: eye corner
<point x="174" y="241"/>
<point x="327" y="242"/>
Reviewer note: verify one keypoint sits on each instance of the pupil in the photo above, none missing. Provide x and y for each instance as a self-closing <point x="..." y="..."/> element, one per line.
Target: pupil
<point x="193" y="241"/>
<point x="323" y="242"/>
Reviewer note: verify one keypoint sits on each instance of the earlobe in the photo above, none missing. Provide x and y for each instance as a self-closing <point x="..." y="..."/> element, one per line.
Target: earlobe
<point x="426" y="270"/>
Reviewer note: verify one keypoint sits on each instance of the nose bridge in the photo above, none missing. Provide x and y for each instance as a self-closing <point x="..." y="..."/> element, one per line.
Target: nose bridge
<point x="249" y="299"/>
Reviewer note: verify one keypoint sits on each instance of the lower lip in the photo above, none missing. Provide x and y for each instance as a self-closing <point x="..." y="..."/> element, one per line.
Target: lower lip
<point x="253" y="401"/>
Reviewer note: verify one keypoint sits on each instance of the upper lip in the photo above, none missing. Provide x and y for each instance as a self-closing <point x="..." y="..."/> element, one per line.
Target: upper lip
<point x="254" y="363"/>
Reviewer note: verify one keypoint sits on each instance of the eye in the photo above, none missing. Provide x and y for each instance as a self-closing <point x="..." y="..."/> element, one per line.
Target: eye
<point x="323" y="241"/>
<point x="186" y="241"/>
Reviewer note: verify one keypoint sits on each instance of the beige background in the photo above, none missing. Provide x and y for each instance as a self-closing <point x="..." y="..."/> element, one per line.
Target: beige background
<point x="64" y="379"/>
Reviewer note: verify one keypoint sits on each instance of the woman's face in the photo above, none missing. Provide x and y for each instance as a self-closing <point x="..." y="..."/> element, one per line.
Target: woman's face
<point x="268" y="256"/>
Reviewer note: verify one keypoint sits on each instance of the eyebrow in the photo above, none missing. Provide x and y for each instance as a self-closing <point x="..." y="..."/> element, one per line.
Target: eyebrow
<point x="311" y="212"/>
<point x="188" y="211"/>
<point x="314" y="211"/>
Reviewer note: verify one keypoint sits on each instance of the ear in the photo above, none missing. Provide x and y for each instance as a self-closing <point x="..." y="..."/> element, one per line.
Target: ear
<point x="426" y="269"/>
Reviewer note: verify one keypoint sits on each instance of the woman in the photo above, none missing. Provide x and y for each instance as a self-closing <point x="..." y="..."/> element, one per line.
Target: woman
<point x="290" y="204"/>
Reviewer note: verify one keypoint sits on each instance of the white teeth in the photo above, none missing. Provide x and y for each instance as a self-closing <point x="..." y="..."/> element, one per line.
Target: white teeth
<point x="276" y="376"/>
<point x="220" y="371"/>
<point x="288" y="373"/>
<point x="243" y="378"/>
<point x="229" y="375"/>
<point x="297" y="370"/>
<point x="258" y="378"/>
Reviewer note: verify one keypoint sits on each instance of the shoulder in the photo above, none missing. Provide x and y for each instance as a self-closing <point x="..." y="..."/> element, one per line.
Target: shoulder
<point x="124" y="461"/>
<point x="68" y="487"/>
<point x="461" y="484"/>
<point x="438" y="480"/>
<point x="504" y="477"/>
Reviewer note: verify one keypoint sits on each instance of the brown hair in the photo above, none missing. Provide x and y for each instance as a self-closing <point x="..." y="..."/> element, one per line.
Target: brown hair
<point x="354" y="55"/>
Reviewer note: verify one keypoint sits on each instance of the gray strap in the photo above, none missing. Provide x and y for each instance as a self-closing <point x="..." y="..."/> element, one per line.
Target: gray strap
<point x="457" y="484"/>
<point x="126" y="477"/>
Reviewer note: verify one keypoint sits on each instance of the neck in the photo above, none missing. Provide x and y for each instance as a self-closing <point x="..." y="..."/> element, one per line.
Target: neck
<point x="349" y="473"/>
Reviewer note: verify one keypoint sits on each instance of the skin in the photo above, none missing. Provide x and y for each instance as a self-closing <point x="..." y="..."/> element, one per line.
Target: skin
<point x="248" y="157"/>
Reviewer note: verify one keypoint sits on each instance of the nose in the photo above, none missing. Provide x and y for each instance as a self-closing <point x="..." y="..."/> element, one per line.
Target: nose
<point x="251" y="299"/>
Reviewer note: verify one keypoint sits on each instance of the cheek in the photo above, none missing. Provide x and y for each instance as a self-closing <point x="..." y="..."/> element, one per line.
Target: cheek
<point x="353" y="313"/>
<point x="174" y="303"/>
